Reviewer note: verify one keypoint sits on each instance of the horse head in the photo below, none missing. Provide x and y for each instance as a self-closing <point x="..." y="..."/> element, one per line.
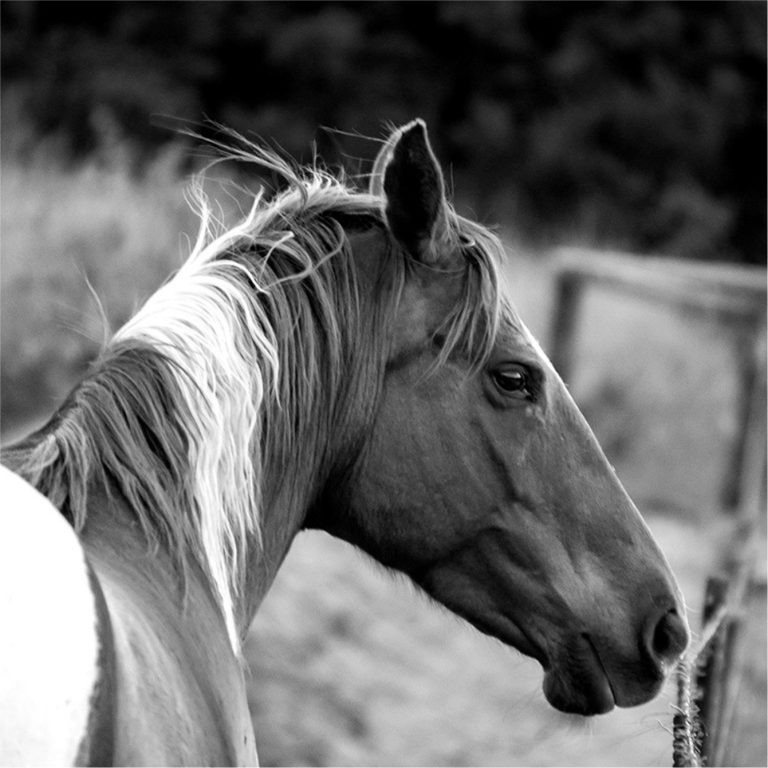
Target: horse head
<point x="479" y="477"/>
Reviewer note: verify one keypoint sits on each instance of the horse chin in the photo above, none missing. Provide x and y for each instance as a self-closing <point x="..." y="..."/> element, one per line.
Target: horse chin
<point x="593" y="698"/>
<point x="579" y="684"/>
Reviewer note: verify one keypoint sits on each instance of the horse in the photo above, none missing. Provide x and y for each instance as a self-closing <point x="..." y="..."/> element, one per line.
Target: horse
<point x="341" y="359"/>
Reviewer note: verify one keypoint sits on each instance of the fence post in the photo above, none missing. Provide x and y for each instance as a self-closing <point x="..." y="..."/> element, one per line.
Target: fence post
<point x="719" y="680"/>
<point x="568" y="289"/>
<point x="750" y="364"/>
<point x="709" y="678"/>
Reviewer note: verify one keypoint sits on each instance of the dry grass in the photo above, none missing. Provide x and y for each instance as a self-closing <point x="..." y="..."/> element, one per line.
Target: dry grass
<point x="348" y="665"/>
<point x="61" y="231"/>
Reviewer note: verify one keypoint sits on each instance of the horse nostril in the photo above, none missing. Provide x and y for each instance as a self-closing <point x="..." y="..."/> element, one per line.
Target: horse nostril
<point x="669" y="637"/>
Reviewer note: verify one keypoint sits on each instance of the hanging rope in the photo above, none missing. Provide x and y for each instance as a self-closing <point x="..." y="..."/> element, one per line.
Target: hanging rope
<point x="686" y="725"/>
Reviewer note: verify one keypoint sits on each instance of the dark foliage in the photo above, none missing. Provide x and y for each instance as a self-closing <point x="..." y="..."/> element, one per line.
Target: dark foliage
<point x="632" y="123"/>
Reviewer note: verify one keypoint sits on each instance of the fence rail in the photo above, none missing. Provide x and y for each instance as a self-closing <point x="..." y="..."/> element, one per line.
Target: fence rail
<point x="733" y="296"/>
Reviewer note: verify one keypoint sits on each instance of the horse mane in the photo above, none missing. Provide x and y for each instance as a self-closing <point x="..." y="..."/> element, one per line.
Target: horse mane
<point x="240" y="362"/>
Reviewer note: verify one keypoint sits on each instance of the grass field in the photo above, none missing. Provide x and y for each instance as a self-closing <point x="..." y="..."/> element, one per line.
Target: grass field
<point x="347" y="664"/>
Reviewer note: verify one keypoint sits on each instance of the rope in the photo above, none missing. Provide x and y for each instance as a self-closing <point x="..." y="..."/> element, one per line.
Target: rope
<point x="686" y="725"/>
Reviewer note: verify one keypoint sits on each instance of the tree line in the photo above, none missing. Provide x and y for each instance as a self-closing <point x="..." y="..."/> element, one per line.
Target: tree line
<point x="639" y="124"/>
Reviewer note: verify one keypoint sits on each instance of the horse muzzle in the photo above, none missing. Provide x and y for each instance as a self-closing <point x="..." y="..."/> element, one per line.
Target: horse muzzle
<point x="589" y="677"/>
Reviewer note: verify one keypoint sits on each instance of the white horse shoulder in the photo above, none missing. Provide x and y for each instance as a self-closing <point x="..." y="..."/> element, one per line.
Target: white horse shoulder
<point x="49" y="643"/>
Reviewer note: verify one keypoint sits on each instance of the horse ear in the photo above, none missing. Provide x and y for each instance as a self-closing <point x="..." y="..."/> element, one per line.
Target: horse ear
<point x="407" y="174"/>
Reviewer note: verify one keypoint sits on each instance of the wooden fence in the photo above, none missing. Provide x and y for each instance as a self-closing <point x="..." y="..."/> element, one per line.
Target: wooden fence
<point x="735" y="298"/>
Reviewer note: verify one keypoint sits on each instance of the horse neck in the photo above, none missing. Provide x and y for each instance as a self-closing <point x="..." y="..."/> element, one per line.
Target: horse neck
<point x="218" y="428"/>
<point x="282" y="518"/>
<point x="313" y="473"/>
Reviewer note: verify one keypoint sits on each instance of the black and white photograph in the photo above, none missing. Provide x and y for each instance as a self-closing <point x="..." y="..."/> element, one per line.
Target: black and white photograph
<point x="383" y="383"/>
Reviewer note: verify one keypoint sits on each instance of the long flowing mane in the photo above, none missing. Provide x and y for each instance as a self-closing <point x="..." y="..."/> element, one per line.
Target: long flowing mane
<point x="241" y="362"/>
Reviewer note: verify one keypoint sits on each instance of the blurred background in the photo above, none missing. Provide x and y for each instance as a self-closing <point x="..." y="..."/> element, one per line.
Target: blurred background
<point x="638" y="126"/>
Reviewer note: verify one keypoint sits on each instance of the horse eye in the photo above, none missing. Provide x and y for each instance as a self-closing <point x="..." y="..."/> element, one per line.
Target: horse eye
<point x="513" y="380"/>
